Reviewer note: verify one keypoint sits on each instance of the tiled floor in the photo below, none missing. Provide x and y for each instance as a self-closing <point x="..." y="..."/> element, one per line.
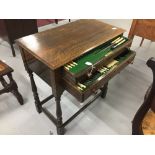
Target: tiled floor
<point x="112" y="115"/>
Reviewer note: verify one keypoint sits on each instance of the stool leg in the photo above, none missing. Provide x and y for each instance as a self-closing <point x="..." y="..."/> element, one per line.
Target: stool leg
<point x="3" y="82"/>
<point x="14" y="90"/>
<point x="5" y="85"/>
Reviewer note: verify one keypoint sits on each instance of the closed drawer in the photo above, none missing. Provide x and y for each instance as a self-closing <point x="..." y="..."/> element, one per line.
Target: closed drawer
<point x="86" y="87"/>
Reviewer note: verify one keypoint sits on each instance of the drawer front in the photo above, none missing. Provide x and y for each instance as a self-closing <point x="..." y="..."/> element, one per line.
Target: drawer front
<point x="99" y="83"/>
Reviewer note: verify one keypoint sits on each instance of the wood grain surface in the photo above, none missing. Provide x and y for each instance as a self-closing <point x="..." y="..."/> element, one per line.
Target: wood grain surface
<point x="144" y="28"/>
<point x="148" y="124"/>
<point x="58" y="46"/>
<point x="4" y="68"/>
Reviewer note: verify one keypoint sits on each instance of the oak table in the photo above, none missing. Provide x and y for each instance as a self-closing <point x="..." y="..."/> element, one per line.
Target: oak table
<point x="47" y="52"/>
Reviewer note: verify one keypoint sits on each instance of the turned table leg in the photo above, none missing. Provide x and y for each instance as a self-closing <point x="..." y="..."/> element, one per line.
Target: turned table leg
<point x="60" y="130"/>
<point x="57" y="91"/>
<point x="35" y="93"/>
<point x="104" y="90"/>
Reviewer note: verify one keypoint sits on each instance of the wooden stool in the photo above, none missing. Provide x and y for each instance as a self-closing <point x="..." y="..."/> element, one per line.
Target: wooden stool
<point x="5" y="70"/>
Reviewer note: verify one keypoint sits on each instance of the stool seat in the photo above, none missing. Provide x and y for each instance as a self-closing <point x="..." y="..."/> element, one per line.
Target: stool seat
<point x="4" y="69"/>
<point x="144" y="119"/>
<point x="148" y="123"/>
<point x="12" y="87"/>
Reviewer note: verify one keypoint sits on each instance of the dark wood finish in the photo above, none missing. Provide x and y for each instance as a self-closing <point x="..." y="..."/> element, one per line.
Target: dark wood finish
<point x="82" y="96"/>
<point x="12" y="87"/>
<point x="56" y="47"/>
<point x="12" y="29"/>
<point x="47" y="52"/>
<point x="149" y="103"/>
<point x="35" y="93"/>
<point x="144" y="28"/>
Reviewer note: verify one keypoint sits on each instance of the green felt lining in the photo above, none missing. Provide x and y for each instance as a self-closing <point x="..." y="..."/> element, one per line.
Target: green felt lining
<point x="90" y="81"/>
<point x="93" y="56"/>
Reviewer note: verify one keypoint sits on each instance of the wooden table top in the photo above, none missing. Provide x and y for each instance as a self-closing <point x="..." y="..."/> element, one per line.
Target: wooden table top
<point x="58" y="46"/>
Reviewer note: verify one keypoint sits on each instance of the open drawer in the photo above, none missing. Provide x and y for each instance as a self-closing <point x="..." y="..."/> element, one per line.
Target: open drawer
<point x="85" y="87"/>
<point x="77" y="68"/>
